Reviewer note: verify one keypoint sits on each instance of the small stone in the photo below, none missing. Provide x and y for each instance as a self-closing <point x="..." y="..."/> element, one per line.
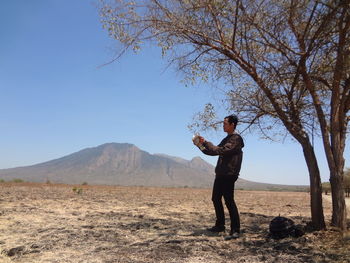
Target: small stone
<point x="346" y="235"/>
<point x="15" y="251"/>
<point x="34" y="246"/>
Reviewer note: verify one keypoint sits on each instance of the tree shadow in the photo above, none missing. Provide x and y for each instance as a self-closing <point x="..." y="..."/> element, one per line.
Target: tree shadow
<point x="185" y="237"/>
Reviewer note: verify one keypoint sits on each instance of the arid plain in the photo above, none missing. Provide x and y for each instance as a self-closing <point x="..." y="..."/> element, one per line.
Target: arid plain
<point x="52" y="223"/>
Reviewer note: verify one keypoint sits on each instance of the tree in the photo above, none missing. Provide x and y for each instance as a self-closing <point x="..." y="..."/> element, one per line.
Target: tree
<point x="347" y="182"/>
<point x="286" y="63"/>
<point x="326" y="187"/>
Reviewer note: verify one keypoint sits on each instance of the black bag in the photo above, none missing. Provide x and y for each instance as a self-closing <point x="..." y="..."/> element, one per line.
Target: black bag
<point x="281" y="227"/>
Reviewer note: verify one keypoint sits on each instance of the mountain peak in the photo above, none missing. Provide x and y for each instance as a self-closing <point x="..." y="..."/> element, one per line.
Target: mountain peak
<point x="196" y="159"/>
<point x="116" y="145"/>
<point x="198" y="163"/>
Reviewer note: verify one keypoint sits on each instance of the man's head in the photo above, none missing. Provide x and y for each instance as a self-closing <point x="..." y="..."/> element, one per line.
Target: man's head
<point x="230" y="123"/>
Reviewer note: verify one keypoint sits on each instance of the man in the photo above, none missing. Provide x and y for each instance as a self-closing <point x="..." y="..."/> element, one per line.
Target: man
<point x="226" y="174"/>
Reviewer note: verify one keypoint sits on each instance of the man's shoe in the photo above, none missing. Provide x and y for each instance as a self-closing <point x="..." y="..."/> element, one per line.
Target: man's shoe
<point x="233" y="235"/>
<point x="216" y="229"/>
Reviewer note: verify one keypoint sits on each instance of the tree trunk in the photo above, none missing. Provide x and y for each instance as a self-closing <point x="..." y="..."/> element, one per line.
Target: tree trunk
<point x="336" y="166"/>
<point x="338" y="200"/>
<point x="317" y="217"/>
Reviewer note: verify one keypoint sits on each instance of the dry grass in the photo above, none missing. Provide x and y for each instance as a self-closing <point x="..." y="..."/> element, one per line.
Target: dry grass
<point x="52" y="223"/>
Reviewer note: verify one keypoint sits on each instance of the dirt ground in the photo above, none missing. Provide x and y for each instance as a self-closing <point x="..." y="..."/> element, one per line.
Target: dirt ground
<point x="61" y="223"/>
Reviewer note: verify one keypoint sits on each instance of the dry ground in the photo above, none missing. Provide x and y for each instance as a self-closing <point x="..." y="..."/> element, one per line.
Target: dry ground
<point x="52" y="223"/>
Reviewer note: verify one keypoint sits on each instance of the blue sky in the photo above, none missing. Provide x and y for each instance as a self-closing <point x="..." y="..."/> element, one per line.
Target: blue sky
<point x="56" y="99"/>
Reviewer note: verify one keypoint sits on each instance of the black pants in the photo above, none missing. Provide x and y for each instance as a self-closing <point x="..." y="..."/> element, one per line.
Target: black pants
<point x="224" y="187"/>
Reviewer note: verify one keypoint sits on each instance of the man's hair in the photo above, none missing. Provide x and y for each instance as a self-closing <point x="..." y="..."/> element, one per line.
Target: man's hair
<point x="232" y="119"/>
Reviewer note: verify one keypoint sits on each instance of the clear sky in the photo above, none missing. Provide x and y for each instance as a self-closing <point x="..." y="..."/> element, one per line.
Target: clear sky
<point x="56" y="99"/>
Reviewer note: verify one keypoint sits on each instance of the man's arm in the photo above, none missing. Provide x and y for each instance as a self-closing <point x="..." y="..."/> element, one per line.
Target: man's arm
<point x="232" y="146"/>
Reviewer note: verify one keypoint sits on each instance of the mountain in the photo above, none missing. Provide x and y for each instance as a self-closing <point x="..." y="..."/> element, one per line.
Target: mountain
<point x="122" y="164"/>
<point x="117" y="164"/>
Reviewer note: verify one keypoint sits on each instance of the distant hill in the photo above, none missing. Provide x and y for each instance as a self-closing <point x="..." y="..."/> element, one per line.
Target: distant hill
<point x="124" y="164"/>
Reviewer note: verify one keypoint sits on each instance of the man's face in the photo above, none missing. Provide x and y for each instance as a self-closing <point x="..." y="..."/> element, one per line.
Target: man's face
<point x="229" y="128"/>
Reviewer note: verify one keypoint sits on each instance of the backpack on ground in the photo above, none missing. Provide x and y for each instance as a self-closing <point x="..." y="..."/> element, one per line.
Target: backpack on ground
<point x="282" y="227"/>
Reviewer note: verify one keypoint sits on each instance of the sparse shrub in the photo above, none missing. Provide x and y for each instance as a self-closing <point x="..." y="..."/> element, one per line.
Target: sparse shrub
<point x="2" y="181"/>
<point x="306" y="189"/>
<point x="17" y="180"/>
<point x="326" y="188"/>
<point x="77" y="190"/>
<point x="347" y="185"/>
<point x="48" y="181"/>
<point x="84" y="183"/>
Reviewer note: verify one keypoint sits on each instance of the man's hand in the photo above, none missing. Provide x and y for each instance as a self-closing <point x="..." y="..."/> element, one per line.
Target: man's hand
<point x="198" y="141"/>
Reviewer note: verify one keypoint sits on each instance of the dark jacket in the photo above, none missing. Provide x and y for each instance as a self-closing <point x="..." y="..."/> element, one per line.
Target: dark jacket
<point x="230" y="155"/>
